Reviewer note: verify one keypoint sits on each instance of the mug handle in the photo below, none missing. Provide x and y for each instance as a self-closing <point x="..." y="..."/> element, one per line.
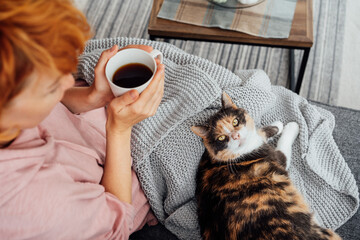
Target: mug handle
<point x="157" y="54"/>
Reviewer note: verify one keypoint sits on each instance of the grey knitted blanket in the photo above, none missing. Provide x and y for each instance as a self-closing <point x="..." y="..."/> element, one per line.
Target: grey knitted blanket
<point x="166" y="153"/>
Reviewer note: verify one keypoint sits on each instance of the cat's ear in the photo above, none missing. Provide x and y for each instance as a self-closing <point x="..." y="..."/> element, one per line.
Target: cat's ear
<point x="201" y="131"/>
<point x="226" y="101"/>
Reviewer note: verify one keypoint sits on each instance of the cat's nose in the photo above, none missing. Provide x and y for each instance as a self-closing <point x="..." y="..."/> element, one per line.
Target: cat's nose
<point x="235" y="135"/>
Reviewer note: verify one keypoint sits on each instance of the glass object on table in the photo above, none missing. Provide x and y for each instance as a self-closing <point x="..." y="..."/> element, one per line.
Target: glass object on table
<point x="236" y="3"/>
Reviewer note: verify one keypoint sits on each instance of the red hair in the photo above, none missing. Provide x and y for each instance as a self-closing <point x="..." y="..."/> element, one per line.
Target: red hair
<point x="38" y="34"/>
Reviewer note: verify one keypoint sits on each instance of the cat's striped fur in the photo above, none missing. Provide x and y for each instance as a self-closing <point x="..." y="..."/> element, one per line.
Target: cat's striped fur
<point x="247" y="194"/>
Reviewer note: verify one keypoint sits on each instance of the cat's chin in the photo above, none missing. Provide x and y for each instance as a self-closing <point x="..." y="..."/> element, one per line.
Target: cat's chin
<point x="242" y="141"/>
<point x="248" y="145"/>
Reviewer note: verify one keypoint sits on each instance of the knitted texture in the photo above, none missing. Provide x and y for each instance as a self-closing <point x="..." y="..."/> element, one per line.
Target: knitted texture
<point x="166" y="153"/>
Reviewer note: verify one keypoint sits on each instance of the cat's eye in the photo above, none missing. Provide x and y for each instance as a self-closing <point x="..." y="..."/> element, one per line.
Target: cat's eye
<point x="221" y="138"/>
<point x="235" y="122"/>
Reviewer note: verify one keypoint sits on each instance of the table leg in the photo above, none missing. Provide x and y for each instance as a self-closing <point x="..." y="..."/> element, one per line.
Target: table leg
<point x="302" y="69"/>
<point x="292" y="70"/>
<point x="295" y="86"/>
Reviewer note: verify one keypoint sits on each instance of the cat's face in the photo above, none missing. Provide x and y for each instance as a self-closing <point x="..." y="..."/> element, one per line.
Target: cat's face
<point x="229" y="133"/>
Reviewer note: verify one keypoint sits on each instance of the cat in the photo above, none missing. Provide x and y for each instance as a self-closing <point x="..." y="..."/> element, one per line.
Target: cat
<point x="243" y="190"/>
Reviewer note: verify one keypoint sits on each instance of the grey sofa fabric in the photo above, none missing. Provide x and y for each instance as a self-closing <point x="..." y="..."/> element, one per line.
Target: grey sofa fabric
<point x="346" y="135"/>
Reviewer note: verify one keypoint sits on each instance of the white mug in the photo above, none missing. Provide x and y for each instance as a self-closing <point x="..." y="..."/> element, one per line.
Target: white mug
<point x="127" y="56"/>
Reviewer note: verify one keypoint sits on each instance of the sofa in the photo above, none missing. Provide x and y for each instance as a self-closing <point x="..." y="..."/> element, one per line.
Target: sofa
<point x="108" y="23"/>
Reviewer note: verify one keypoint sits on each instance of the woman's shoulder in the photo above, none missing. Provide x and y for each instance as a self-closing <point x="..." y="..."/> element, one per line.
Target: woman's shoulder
<point x="60" y="124"/>
<point x="61" y="115"/>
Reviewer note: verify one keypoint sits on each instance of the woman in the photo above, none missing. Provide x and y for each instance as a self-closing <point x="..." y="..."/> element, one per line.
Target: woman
<point x="64" y="175"/>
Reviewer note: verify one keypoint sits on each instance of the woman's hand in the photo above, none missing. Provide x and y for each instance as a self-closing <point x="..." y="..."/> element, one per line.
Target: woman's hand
<point x="132" y="107"/>
<point x="100" y="92"/>
<point x="83" y="99"/>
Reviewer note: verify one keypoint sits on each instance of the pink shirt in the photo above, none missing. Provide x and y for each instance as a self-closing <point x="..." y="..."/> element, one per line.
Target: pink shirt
<point x="49" y="183"/>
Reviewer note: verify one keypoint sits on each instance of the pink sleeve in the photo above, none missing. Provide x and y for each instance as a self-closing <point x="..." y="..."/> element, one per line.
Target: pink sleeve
<point x="53" y="206"/>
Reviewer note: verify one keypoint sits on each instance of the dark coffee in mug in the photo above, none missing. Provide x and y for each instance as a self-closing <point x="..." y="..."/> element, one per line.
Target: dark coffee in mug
<point x="132" y="75"/>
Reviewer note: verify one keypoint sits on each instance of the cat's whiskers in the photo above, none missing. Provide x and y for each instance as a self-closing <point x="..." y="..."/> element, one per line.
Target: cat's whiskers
<point x="233" y="167"/>
<point x="230" y="167"/>
<point x="228" y="164"/>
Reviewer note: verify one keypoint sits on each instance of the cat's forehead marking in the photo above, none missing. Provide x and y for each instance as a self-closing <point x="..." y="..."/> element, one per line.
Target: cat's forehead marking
<point x="224" y="125"/>
<point x="226" y="129"/>
<point x="249" y="121"/>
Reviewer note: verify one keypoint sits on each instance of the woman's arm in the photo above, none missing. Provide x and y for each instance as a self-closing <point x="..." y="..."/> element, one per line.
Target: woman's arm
<point x="124" y="112"/>
<point x="117" y="170"/>
<point x="81" y="99"/>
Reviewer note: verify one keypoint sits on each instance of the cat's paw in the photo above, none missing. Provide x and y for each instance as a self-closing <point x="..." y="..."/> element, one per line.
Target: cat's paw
<point x="292" y="128"/>
<point x="279" y="125"/>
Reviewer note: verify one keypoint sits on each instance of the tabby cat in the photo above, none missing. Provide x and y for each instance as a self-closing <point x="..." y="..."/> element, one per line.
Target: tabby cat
<point x="243" y="190"/>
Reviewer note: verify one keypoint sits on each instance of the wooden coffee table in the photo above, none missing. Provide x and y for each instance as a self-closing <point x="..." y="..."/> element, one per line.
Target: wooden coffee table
<point x="301" y="35"/>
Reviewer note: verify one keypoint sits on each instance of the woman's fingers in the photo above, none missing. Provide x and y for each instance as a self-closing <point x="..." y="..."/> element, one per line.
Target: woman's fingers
<point x="143" y="47"/>
<point x="104" y="58"/>
<point x="157" y="102"/>
<point x="117" y="104"/>
<point x="154" y="102"/>
<point x="153" y="89"/>
<point x="158" y="95"/>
